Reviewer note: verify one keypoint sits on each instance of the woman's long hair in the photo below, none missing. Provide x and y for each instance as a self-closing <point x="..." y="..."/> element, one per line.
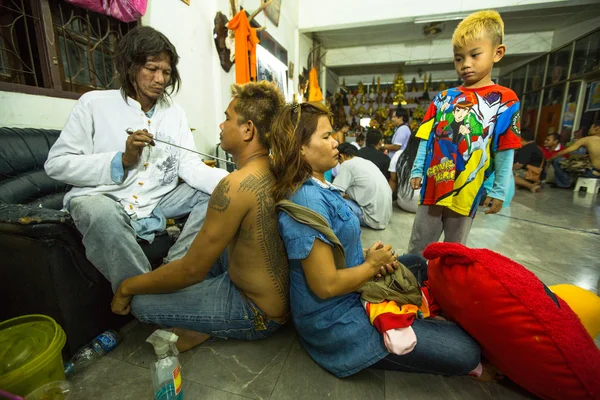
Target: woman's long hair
<point x="405" y="164"/>
<point x="293" y="128"/>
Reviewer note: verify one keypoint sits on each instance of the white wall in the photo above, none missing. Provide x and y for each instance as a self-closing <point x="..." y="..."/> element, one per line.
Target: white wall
<point x="205" y="92"/>
<point x="319" y="14"/>
<point x="437" y="50"/>
<point x="199" y="94"/>
<point x="19" y="110"/>
<point x="286" y="34"/>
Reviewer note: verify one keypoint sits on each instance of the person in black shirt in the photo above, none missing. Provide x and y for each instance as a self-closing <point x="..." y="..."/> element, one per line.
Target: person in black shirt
<point x="373" y="153"/>
<point x="529" y="163"/>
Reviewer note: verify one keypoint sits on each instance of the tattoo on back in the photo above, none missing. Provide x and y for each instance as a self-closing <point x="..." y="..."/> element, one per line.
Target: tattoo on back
<point x="267" y="234"/>
<point x="219" y="200"/>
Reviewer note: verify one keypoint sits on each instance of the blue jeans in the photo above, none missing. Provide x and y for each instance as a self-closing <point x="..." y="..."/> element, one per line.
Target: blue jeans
<point x="214" y="306"/>
<point x="356" y="210"/>
<point x="562" y="177"/>
<point x="443" y="347"/>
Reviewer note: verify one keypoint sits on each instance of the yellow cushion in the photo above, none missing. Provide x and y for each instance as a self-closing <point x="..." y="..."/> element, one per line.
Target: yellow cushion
<point x="583" y="303"/>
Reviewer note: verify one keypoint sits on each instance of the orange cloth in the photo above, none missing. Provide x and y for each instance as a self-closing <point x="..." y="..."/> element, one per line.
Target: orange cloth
<point x="314" y="91"/>
<point x="389" y="315"/>
<point x="245" y="41"/>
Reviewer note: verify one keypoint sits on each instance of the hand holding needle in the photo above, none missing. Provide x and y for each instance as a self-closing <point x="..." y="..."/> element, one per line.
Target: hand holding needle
<point x="134" y="146"/>
<point x="130" y="132"/>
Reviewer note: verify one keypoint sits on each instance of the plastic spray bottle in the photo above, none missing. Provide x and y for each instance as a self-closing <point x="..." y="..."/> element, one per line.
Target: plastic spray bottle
<point x="166" y="371"/>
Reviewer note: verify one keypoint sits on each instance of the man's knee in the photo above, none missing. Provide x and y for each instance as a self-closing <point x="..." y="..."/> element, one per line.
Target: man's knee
<point x="90" y="210"/>
<point x="141" y="306"/>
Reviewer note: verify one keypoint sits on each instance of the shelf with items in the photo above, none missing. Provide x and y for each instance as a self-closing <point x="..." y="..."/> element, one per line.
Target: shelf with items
<point x="378" y="102"/>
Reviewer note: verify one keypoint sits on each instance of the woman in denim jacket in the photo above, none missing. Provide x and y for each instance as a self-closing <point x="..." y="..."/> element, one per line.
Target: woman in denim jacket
<point x="329" y="317"/>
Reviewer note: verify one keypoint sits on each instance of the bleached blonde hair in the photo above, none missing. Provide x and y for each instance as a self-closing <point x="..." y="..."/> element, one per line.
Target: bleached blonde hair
<point x="481" y="24"/>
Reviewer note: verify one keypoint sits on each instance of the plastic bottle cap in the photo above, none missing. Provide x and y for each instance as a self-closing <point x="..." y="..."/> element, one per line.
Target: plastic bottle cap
<point x="163" y="341"/>
<point x="161" y="349"/>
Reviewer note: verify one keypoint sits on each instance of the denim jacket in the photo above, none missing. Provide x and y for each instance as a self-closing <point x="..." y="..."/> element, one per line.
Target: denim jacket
<point x="335" y="332"/>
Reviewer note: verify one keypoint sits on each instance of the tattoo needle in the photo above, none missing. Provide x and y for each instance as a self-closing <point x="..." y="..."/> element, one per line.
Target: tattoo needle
<point x="131" y="131"/>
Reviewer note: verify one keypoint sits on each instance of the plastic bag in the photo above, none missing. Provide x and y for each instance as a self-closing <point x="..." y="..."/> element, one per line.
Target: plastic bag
<point x="123" y="10"/>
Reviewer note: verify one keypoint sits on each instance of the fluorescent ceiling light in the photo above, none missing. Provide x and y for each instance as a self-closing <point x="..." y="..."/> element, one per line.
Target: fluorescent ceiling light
<point x="425" y="62"/>
<point x="440" y="18"/>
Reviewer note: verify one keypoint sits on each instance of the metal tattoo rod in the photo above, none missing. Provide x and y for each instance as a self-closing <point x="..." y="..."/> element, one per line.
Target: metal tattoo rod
<point x="131" y="131"/>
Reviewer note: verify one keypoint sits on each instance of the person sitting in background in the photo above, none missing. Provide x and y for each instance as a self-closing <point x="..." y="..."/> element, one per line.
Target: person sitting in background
<point x="529" y="163"/>
<point x="591" y="144"/>
<point x="331" y="322"/>
<point x="366" y="190"/>
<point x="402" y="134"/>
<point x="340" y="134"/>
<point x="372" y="152"/>
<point x="401" y="165"/>
<point x="360" y="141"/>
<point x="551" y="146"/>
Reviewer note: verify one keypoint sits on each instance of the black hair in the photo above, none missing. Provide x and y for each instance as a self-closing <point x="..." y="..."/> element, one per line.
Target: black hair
<point x="405" y="164"/>
<point x="555" y="135"/>
<point x="527" y="135"/>
<point x="401" y="112"/>
<point x="373" y="137"/>
<point x="360" y="137"/>
<point x="348" y="149"/>
<point x="132" y="54"/>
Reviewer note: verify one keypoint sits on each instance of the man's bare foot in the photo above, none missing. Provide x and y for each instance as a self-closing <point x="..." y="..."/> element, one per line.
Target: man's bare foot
<point x="189" y="339"/>
<point x="535" y="188"/>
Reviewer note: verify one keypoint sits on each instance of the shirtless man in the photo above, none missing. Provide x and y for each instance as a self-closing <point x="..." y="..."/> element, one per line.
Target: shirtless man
<point x="233" y="281"/>
<point x="592" y="144"/>
<point x="340" y="134"/>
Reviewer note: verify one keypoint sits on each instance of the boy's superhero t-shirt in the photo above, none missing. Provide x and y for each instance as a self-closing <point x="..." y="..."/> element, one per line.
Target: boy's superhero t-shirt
<point x="464" y="128"/>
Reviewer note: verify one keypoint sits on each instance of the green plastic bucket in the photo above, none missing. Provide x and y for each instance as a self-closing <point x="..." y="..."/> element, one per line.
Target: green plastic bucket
<point x="30" y="353"/>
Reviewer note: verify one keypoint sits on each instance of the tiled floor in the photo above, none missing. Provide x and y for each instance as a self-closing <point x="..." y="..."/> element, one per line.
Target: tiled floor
<point x="555" y="233"/>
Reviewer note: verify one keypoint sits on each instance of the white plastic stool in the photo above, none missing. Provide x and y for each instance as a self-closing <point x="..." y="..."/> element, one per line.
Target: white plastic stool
<point x="591" y="185"/>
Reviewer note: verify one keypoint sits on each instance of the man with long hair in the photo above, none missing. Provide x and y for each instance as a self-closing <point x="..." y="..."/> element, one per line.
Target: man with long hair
<point x="124" y="184"/>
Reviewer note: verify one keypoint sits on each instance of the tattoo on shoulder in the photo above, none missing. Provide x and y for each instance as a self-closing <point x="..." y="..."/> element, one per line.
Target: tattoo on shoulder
<point x="259" y="184"/>
<point x="219" y="200"/>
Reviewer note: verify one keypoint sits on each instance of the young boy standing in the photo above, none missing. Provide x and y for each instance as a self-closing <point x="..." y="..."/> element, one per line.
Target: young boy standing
<point x="468" y="132"/>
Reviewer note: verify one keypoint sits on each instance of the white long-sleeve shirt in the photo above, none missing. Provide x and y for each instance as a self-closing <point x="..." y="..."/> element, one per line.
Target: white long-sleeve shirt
<point x="96" y="131"/>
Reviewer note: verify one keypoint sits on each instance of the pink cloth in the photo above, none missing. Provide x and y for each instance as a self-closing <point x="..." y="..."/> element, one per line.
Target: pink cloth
<point x="400" y="341"/>
<point x="477" y="371"/>
<point x="123" y="10"/>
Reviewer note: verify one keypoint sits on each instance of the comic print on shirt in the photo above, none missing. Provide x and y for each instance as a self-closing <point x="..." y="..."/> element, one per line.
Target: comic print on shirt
<point x="464" y="128"/>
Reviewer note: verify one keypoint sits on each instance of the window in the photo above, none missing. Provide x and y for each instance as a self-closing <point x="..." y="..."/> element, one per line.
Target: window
<point x="587" y="54"/>
<point x="535" y="74"/>
<point x="558" y="65"/>
<point x="53" y="48"/>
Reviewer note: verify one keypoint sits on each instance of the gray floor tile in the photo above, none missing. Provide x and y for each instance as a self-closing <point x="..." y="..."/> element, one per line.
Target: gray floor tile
<point x="505" y="389"/>
<point x="110" y="379"/>
<point x="194" y="391"/>
<point x="400" y="386"/>
<point x="302" y="378"/>
<point x="250" y="369"/>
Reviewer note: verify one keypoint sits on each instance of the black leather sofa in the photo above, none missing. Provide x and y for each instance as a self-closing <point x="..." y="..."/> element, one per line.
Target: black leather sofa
<point x="43" y="267"/>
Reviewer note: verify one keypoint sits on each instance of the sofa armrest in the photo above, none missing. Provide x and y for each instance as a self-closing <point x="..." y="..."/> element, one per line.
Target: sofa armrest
<point x="28" y="215"/>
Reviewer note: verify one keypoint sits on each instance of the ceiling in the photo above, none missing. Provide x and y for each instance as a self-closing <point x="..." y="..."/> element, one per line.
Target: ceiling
<point x="543" y="19"/>
<point x="537" y="20"/>
<point x="392" y="68"/>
